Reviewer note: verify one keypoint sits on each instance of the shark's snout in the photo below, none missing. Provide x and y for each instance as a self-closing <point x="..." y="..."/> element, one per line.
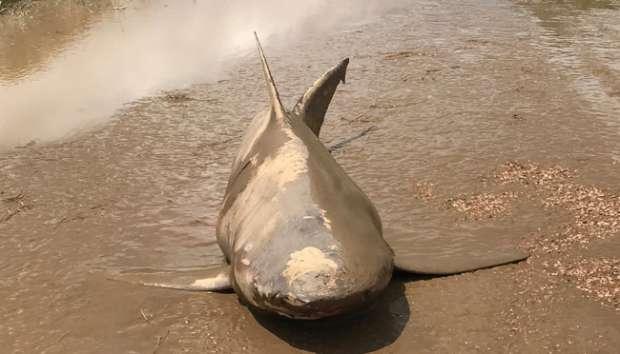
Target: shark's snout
<point x="315" y="284"/>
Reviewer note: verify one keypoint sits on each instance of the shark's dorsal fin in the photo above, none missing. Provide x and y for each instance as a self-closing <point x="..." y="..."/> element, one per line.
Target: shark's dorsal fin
<point x="274" y="96"/>
<point x="313" y="105"/>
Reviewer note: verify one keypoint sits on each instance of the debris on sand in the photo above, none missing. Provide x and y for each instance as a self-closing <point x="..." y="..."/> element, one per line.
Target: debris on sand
<point x="530" y="173"/>
<point x="5" y="3"/>
<point x="594" y="214"/>
<point x="592" y="208"/>
<point x="599" y="277"/>
<point x="484" y="205"/>
<point x="177" y="97"/>
<point x="424" y="190"/>
<point x="558" y="253"/>
<point x="14" y="205"/>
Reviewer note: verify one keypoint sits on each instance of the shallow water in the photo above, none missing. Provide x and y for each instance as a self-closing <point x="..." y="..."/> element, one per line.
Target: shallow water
<point x="454" y="91"/>
<point x="71" y="66"/>
<point x="583" y="38"/>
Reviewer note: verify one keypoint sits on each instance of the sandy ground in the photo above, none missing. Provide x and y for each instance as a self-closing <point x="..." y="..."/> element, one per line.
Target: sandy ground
<point x="496" y="118"/>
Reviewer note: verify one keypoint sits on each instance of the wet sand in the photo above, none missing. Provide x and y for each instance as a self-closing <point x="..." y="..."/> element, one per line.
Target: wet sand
<point x="496" y="119"/>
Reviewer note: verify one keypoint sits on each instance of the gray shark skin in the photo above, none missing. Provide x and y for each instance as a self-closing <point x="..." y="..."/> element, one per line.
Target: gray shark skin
<point x="300" y="238"/>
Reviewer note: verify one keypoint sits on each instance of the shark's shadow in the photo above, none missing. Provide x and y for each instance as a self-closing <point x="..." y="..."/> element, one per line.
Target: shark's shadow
<point x="373" y="329"/>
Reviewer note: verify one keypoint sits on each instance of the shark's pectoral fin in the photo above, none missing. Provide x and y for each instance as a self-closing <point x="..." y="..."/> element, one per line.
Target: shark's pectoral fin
<point x="213" y="278"/>
<point x="460" y="252"/>
<point x="313" y="105"/>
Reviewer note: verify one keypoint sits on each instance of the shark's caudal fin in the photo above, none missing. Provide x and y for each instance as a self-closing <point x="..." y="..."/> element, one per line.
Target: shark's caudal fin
<point x="313" y="105"/>
<point x="276" y="104"/>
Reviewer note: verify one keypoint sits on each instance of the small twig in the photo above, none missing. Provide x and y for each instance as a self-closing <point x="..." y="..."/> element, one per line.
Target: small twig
<point x="359" y="118"/>
<point x="63" y="336"/>
<point x="144" y="315"/>
<point x="67" y="219"/>
<point x="160" y="341"/>
<point x="225" y="141"/>
<point x="14" y="198"/>
<point x="208" y="100"/>
<point x="177" y="97"/>
<point x="9" y="215"/>
<point x="341" y="144"/>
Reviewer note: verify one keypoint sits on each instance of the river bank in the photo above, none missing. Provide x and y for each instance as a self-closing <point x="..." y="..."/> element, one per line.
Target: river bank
<point x="493" y="118"/>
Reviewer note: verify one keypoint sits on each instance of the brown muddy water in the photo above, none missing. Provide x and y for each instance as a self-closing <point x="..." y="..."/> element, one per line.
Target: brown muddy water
<point x="491" y="119"/>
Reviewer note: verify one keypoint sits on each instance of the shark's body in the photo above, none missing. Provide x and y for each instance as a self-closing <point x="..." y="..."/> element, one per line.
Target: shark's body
<point x="300" y="238"/>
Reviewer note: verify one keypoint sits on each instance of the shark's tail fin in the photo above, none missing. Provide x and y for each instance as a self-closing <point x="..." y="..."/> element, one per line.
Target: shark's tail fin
<point x="276" y="104"/>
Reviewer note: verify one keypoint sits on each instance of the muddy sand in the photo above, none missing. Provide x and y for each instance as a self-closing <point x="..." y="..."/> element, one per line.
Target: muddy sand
<point x="495" y="118"/>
